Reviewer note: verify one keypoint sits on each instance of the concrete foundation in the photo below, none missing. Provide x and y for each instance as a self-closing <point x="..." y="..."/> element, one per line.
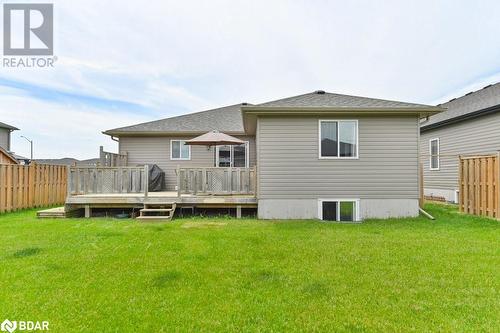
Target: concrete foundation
<point x="308" y="208"/>
<point x="448" y="195"/>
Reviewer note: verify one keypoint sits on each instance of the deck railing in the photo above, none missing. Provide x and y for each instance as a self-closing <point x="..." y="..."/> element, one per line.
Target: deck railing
<point x="217" y="181"/>
<point x="111" y="159"/>
<point x="107" y="180"/>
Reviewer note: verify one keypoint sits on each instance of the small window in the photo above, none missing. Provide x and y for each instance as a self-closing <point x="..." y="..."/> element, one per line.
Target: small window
<point x="338" y="138"/>
<point x="339" y="210"/>
<point x="434" y="154"/>
<point x="179" y="150"/>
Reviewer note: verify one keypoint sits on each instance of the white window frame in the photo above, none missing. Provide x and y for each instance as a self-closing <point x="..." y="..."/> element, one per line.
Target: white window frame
<point x="231" y="153"/>
<point x="338" y="141"/>
<point x="180" y="152"/>
<point x="356" y="201"/>
<point x="430" y="154"/>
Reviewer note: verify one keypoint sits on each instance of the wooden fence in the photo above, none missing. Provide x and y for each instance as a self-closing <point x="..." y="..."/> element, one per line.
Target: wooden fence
<point x="36" y="185"/>
<point x="479" y="191"/>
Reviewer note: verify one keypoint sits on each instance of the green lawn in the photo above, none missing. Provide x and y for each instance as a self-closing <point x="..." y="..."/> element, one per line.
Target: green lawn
<point x="103" y="275"/>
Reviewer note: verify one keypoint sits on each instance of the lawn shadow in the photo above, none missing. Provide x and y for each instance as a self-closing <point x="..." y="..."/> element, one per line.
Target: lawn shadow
<point x="315" y="289"/>
<point x="163" y="279"/>
<point x="268" y="276"/>
<point x="109" y="234"/>
<point x="26" y="252"/>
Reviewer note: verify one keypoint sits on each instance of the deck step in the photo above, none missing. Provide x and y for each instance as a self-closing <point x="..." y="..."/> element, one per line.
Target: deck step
<point x="58" y="212"/>
<point x="165" y="214"/>
<point x="156" y="210"/>
<point x="146" y="205"/>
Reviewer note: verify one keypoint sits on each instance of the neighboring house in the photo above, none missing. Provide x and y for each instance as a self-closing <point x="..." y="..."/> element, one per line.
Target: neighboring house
<point x="5" y="131"/>
<point x="318" y="155"/>
<point x="68" y="161"/>
<point x="469" y="126"/>
<point x="6" y="156"/>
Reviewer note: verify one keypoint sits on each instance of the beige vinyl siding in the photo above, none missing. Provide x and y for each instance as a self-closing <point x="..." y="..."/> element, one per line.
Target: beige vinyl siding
<point x="4" y="138"/>
<point x="289" y="167"/>
<point x="156" y="150"/>
<point x="476" y="136"/>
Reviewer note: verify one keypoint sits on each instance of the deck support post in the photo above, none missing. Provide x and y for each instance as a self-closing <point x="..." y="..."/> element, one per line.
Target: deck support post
<point x="88" y="211"/>
<point x="238" y="212"/>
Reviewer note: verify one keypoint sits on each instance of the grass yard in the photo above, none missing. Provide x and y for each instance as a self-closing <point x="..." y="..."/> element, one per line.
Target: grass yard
<point x="103" y="275"/>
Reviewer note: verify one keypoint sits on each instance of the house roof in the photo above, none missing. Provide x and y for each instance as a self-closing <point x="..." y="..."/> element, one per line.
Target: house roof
<point x="322" y="99"/>
<point x="4" y="125"/>
<point x="8" y="155"/>
<point x="226" y="119"/>
<point x="229" y="119"/>
<point x="323" y="103"/>
<point x="472" y="104"/>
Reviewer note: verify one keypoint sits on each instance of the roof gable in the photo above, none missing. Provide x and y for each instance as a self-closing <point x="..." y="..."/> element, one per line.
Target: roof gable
<point x="8" y="155"/>
<point x="322" y="99"/>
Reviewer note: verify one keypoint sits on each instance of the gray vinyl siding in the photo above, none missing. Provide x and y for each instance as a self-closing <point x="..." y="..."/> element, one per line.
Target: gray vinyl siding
<point x="156" y="150"/>
<point x="476" y="136"/>
<point x="5" y="138"/>
<point x="290" y="168"/>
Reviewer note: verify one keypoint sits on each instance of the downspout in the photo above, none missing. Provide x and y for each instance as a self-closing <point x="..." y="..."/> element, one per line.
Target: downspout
<point x="426" y="214"/>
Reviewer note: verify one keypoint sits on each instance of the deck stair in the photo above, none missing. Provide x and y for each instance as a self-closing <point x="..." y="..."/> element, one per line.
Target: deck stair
<point x="161" y="212"/>
<point x="51" y="213"/>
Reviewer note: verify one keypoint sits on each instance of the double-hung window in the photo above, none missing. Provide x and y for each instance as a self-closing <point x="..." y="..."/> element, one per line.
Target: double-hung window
<point x="338" y="139"/>
<point x="434" y="154"/>
<point x="179" y="150"/>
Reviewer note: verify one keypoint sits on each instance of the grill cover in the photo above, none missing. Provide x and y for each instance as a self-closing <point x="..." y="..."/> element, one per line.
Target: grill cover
<point x="156" y="178"/>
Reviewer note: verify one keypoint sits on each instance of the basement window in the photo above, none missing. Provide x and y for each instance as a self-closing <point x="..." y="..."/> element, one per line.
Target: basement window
<point x="340" y="210"/>
<point x="434" y="154"/>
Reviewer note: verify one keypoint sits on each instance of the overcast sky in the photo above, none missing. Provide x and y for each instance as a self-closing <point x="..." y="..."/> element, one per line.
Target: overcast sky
<point x="124" y="62"/>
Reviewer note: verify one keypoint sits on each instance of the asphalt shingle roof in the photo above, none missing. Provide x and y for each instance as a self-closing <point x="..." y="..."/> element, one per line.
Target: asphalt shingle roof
<point x="224" y="119"/>
<point x="326" y="99"/>
<point x="478" y="100"/>
<point x="4" y="125"/>
<point x="229" y="119"/>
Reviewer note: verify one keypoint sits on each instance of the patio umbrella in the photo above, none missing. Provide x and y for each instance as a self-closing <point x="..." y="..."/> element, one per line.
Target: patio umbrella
<point x="214" y="138"/>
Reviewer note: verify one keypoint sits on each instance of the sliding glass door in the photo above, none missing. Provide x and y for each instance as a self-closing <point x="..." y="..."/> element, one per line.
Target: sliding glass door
<point x="233" y="156"/>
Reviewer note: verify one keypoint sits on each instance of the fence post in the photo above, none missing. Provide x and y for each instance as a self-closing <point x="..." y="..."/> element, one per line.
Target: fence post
<point x="497" y="187"/>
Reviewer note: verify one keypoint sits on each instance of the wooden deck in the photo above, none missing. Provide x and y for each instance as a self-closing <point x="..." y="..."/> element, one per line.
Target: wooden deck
<point x="126" y="187"/>
<point x="100" y="200"/>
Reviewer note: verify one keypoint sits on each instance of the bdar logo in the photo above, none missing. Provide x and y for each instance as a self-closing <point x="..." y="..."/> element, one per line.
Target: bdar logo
<point x="8" y="326"/>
